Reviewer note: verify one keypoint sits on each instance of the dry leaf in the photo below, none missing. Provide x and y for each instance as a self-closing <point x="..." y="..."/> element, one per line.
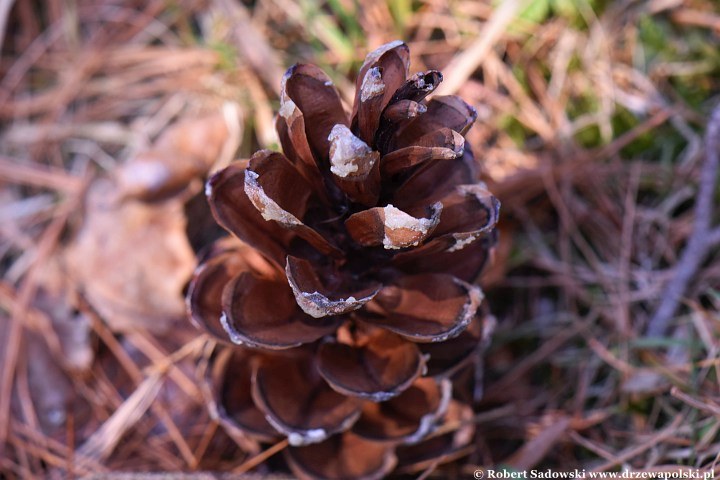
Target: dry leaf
<point x="185" y="151"/>
<point x="132" y="259"/>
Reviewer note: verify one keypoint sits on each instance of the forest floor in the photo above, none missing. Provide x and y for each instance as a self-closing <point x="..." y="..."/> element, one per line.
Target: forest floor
<point x="595" y="131"/>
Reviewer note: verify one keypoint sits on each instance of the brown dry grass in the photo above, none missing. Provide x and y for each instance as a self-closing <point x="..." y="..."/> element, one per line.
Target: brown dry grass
<point x="592" y="121"/>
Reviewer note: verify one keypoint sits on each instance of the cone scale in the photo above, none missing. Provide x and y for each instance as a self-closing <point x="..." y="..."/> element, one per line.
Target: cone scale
<point x="345" y="295"/>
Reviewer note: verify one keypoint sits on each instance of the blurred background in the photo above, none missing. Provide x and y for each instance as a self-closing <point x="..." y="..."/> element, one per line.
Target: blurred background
<point x="594" y="131"/>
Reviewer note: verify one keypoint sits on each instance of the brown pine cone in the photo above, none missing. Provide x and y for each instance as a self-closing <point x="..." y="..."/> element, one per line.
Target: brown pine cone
<point x="352" y="295"/>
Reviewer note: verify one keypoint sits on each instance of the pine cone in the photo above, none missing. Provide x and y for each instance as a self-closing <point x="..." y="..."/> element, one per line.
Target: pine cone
<point x="352" y="294"/>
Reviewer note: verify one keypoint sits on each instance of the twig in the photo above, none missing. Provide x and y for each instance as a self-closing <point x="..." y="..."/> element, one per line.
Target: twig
<point x="20" y="172"/>
<point x="533" y="360"/>
<point x="26" y="292"/>
<point x="101" y="443"/>
<point x="463" y="65"/>
<point x="429" y="470"/>
<point x="700" y="241"/>
<point x="706" y="406"/>
<point x="636" y="450"/>
<point x="532" y="452"/>
<point x="253" y="462"/>
<point x="252" y="44"/>
<point x="713" y="237"/>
